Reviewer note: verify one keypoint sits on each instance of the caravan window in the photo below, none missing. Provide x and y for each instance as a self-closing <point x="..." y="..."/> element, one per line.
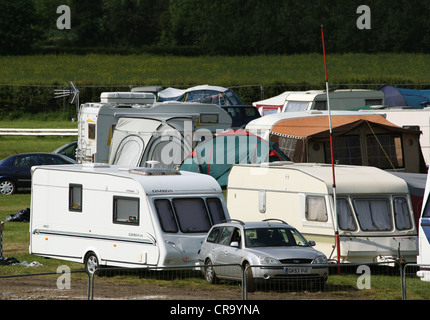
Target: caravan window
<point x="296" y="106"/>
<point x="401" y="214"/>
<point x="75" y="197"/>
<point x="316" y="209"/>
<point x="373" y="214"/>
<point x="344" y="213"/>
<point x="191" y="214"/>
<point x="92" y="131"/>
<point x="216" y="210"/>
<point x="166" y="215"/>
<point x="126" y="210"/>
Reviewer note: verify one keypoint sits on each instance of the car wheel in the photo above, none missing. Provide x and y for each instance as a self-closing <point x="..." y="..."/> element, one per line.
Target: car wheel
<point x="250" y="283"/>
<point x="7" y="187"/>
<point x="210" y="275"/>
<point x="91" y="263"/>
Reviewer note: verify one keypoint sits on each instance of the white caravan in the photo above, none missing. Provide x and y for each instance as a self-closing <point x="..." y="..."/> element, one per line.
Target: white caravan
<point x="343" y="99"/>
<point x="97" y="120"/>
<point x="105" y="215"/>
<point x="374" y="222"/>
<point x="424" y="236"/>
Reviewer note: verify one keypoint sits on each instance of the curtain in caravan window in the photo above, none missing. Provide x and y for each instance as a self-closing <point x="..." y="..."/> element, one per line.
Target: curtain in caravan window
<point x="345" y="219"/>
<point x="373" y="214"/>
<point x="316" y="209"/>
<point x="192" y="215"/>
<point x="401" y="214"/>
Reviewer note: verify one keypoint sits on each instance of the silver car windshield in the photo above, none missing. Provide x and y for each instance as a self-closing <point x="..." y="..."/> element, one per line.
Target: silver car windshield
<point x="273" y="237"/>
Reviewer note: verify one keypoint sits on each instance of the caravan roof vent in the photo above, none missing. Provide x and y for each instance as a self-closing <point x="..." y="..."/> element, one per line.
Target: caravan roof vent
<point x="155" y="172"/>
<point x="127" y="97"/>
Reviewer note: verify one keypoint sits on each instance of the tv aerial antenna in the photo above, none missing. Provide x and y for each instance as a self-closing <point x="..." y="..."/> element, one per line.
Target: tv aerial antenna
<point x="72" y="92"/>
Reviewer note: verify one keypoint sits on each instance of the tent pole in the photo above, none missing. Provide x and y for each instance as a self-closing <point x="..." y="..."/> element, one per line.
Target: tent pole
<point x="331" y="146"/>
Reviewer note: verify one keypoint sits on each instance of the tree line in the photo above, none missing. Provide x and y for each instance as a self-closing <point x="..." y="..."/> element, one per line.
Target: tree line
<point x="229" y="27"/>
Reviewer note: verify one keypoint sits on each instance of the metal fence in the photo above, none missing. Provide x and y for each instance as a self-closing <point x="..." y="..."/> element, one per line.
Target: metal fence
<point x="345" y="282"/>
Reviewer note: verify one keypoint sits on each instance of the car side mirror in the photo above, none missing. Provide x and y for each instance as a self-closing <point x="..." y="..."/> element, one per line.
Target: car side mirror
<point x="234" y="244"/>
<point x="312" y="243"/>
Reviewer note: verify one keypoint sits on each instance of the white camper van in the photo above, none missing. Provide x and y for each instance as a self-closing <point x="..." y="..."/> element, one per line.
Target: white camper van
<point x="374" y="222"/>
<point x="424" y="236"/>
<point x="343" y="99"/>
<point x="105" y="215"/>
<point x="97" y="120"/>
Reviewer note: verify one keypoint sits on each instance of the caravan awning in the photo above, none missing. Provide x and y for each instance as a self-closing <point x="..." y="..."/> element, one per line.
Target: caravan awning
<point x="318" y="127"/>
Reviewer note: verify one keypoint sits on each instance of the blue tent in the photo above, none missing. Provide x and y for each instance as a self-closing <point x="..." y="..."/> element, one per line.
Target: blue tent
<point x="400" y="97"/>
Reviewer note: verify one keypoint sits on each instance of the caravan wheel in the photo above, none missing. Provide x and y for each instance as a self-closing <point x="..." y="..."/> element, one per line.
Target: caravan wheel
<point x="91" y="263"/>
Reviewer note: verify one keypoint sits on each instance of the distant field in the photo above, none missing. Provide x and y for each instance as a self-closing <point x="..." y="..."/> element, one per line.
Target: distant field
<point x="148" y="69"/>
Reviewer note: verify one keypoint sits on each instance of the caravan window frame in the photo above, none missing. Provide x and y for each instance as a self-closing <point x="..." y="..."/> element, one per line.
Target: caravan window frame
<point x="75" y="199"/>
<point x="117" y="220"/>
<point x="319" y="216"/>
<point x="174" y="222"/>
<point x="346" y="219"/>
<point x="403" y="219"/>
<point x="363" y="220"/>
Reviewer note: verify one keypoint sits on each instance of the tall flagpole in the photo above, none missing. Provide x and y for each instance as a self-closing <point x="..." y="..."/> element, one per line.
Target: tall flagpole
<point x="331" y="145"/>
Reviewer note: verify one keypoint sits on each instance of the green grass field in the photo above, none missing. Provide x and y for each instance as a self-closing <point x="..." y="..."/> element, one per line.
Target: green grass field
<point x="145" y="69"/>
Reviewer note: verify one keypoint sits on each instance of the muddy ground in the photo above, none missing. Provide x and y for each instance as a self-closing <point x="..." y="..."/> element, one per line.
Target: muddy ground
<point x="47" y="288"/>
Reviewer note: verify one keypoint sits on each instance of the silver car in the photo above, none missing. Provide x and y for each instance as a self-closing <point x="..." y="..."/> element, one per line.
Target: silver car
<point x="269" y="251"/>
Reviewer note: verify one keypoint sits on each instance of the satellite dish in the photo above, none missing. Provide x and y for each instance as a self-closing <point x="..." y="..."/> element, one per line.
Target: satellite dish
<point x="73" y="93"/>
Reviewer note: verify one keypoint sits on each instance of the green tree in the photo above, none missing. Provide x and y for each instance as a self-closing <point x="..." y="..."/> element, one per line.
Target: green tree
<point x="17" y="32"/>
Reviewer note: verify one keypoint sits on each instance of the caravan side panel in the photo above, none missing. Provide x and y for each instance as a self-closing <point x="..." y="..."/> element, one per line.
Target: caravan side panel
<point x="95" y="222"/>
<point x="274" y="195"/>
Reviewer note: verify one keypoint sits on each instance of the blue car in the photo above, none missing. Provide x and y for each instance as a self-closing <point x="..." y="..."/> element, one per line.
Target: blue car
<point x="15" y="170"/>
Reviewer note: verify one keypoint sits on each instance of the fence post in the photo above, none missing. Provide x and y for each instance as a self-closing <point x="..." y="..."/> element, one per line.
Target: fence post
<point x="403" y="280"/>
<point x="244" y="284"/>
<point x="1" y="239"/>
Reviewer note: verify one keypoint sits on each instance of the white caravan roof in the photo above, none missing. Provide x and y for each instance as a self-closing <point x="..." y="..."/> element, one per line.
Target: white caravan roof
<point x="153" y="181"/>
<point x="349" y="179"/>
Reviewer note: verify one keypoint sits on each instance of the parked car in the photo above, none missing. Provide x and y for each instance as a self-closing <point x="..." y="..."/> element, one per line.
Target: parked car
<point x="15" y="170"/>
<point x="69" y="149"/>
<point x="279" y="250"/>
<point x="241" y="115"/>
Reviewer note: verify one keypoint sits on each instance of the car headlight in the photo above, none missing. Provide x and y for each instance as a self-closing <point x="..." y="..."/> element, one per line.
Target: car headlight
<point x="269" y="260"/>
<point x="320" y="260"/>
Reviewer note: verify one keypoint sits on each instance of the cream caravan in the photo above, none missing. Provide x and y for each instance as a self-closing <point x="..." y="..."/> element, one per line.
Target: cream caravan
<point x="344" y="99"/>
<point x="97" y="120"/>
<point x="374" y="221"/>
<point x="104" y="215"/>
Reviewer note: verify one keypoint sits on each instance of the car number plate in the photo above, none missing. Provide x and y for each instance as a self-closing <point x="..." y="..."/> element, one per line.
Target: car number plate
<point x="297" y="270"/>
